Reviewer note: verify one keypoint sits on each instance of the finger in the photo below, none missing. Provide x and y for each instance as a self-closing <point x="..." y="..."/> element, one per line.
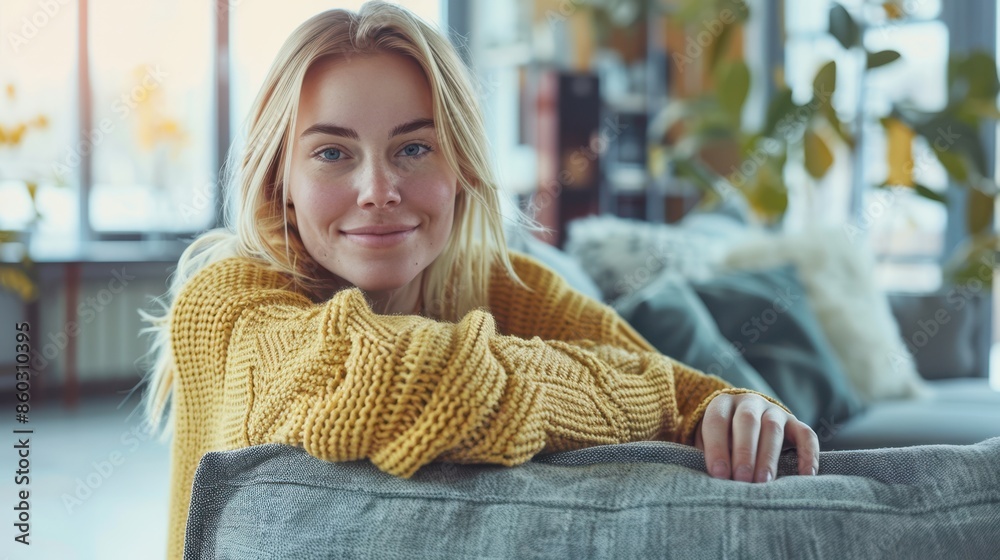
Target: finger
<point x="806" y="445"/>
<point x="746" y="431"/>
<point x="715" y="435"/>
<point x="772" y="435"/>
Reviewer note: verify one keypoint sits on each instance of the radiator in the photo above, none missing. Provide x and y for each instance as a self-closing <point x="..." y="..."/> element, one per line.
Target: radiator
<point x="108" y="345"/>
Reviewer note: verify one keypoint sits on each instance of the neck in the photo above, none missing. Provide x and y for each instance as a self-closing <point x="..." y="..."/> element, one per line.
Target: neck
<point x="406" y="300"/>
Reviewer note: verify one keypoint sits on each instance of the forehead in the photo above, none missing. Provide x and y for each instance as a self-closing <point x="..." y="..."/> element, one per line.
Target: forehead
<point x="364" y="90"/>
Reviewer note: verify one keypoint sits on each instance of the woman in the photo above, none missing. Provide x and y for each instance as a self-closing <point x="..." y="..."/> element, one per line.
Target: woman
<point x="366" y="306"/>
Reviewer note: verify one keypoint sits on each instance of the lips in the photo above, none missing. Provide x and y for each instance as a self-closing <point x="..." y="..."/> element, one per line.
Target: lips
<point x="378" y="230"/>
<point x="378" y="237"/>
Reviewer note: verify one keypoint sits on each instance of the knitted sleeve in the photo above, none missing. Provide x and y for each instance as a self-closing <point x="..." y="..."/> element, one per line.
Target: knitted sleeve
<point x="345" y="383"/>
<point x="553" y="310"/>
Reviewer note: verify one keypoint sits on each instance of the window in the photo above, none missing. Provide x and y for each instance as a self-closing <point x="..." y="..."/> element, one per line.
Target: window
<point x="906" y="231"/>
<point x="38" y="114"/>
<point x="151" y="76"/>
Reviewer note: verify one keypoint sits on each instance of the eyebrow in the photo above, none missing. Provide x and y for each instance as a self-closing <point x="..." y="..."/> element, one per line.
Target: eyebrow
<point x="334" y="130"/>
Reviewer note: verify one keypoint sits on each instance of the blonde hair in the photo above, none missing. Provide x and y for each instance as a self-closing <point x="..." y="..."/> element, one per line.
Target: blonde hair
<point x="455" y="283"/>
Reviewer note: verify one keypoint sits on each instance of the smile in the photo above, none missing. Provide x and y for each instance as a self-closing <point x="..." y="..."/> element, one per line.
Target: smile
<point x="379" y="240"/>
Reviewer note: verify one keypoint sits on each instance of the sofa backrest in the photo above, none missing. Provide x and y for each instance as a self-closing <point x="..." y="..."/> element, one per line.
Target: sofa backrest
<point x="949" y="333"/>
<point x="636" y="500"/>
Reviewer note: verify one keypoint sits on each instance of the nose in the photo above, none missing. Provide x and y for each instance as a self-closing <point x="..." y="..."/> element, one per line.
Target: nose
<point x="377" y="186"/>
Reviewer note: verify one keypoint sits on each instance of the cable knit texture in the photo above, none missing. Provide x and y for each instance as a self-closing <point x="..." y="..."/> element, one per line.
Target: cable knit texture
<point x="546" y="369"/>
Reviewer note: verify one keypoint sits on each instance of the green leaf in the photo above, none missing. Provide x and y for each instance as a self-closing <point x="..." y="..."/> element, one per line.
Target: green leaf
<point x="825" y="83"/>
<point x="720" y="45"/>
<point x="954" y="164"/>
<point x="740" y="9"/>
<point x="882" y="58"/>
<point x="687" y="169"/>
<point x="767" y="194"/>
<point x="818" y="156"/>
<point x="733" y="79"/>
<point x="836" y="124"/>
<point x="930" y="194"/>
<point x="688" y="11"/>
<point x="13" y="279"/>
<point x="712" y="131"/>
<point x="748" y="144"/>
<point x="780" y="107"/>
<point x="601" y="24"/>
<point x="700" y="173"/>
<point x="966" y="263"/>
<point x="979" y="212"/>
<point x="946" y="133"/>
<point x="843" y="27"/>
<point x="980" y="69"/>
<point x="973" y="111"/>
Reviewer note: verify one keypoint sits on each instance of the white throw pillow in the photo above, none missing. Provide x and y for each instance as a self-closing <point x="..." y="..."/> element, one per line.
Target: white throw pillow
<point x="624" y="255"/>
<point x="852" y="310"/>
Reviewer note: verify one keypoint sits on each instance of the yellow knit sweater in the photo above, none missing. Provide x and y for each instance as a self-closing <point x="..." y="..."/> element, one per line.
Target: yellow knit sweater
<point x="548" y="369"/>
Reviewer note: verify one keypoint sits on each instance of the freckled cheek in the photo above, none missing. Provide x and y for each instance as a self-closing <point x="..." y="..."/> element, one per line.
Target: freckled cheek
<point x="435" y="194"/>
<point x="320" y="203"/>
<point x="437" y="200"/>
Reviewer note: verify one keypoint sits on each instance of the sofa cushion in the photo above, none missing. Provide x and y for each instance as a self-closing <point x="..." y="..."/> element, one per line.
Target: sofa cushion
<point x="671" y="316"/>
<point x="949" y="333"/>
<point x="971" y="390"/>
<point x="624" y="255"/>
<point x="955" y="411"/>
<point x="637" y="500"/>
<point x="767" y="318"/>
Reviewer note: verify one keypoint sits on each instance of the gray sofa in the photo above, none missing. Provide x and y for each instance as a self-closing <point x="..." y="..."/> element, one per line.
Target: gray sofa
<point x="637" y="500"/>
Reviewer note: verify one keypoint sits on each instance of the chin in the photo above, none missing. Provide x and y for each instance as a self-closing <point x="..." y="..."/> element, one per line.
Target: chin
<point x="380" y="282"/>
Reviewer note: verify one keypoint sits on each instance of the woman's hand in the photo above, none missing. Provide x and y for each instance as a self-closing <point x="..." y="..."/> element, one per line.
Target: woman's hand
<point x="742" y="436"/>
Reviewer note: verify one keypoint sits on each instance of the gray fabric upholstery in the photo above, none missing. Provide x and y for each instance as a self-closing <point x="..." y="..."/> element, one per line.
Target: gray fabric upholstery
<point x="948" y="333"/>
<point x="959" y="411"/>
<point x="638" y="500"/>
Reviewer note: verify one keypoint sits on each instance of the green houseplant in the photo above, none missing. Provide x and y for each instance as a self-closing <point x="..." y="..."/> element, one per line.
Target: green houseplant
<point x="694" y="131"/>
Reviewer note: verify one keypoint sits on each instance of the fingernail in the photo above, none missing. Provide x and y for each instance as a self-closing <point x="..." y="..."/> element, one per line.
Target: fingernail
<point x="720" y="469"/>
<point x="768" y="477"/>
<point x="744" y="473"/>
<point x="812" y="471"/>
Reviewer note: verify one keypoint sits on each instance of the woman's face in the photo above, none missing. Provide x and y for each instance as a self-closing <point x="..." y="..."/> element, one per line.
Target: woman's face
<point x="373" y="196"/>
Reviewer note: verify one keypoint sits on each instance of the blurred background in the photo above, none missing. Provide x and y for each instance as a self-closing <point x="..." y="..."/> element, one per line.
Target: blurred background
<point x="116" y="116"/>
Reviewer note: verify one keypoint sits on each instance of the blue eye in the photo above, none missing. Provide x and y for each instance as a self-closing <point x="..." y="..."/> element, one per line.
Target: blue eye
<point x="335" y="157"/>
<point x="413" y="150"/>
